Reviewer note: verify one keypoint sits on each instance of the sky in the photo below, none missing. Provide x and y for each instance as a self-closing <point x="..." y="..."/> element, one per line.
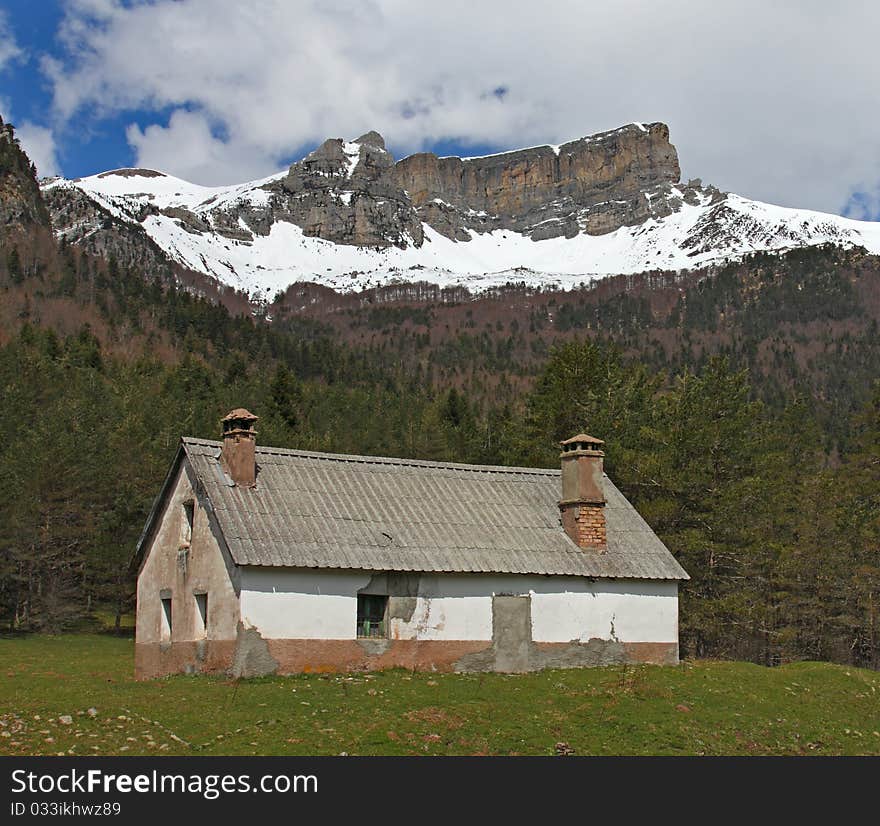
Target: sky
<point x="773" y="99"/>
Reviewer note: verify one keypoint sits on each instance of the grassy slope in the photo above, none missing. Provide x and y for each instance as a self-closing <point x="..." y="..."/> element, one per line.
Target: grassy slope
<point x="698" y="708"/>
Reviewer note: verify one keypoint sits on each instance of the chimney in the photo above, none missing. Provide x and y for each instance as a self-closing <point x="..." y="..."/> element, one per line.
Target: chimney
<point x="582" y="506"/>
<point x="239" y="445"/>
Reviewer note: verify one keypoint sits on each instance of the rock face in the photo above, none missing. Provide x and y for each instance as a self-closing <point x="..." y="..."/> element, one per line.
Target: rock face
<point x="21" y="204"/>
<point x="595" y="185"/>
<point x="353" y="192"/>
<point x="347" y="193"/>
<point x="82" y="221"/>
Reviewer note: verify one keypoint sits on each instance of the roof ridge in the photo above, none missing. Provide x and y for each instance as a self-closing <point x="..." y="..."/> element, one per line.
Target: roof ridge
<point x="382" y="460"/>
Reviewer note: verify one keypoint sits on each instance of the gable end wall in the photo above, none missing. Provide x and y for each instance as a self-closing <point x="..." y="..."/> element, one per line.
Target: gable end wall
<point x="167" y="571"/>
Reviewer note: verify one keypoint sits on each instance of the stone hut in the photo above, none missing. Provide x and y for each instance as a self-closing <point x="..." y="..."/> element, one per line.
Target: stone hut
<point x="260" y="560"/>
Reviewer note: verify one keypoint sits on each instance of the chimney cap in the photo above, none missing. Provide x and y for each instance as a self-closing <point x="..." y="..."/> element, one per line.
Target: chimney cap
<point x="582" y="438"/>
<point x="239" y="413"/>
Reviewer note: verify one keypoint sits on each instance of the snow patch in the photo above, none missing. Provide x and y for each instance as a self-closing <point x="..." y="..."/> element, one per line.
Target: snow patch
<point x="353" y="155"/>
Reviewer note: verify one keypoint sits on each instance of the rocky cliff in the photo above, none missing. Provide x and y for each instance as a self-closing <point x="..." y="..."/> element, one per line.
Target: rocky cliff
<point x="21" y="205"/>
<point x="348" y="193"/>
<point x="596" y="185"/>
<point x="354" y="193"/>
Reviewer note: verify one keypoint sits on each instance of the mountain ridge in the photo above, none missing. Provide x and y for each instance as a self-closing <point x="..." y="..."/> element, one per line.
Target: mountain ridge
<point x="348" y="216"/>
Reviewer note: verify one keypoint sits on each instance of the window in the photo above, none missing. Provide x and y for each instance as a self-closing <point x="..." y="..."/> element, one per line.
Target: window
<point x="371" y="610"/>
<point x="165" y="620"/>
<point x="201" y="615"/>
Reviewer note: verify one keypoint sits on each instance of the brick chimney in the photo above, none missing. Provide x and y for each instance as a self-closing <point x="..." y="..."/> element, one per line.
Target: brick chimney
<point x="238" y="456"/>
<point x="582" y="506"/>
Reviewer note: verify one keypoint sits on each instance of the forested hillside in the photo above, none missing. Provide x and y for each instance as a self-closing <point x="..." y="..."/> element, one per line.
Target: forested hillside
<point x="740" y="410"/>
<point x="805" y="323"/>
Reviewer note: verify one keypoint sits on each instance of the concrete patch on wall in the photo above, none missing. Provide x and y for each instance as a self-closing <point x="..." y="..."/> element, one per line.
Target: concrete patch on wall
<point x="393" y="584"/>
<point x="402" y="590"/>
<point x="579" y="654"/>
<point x="252" y="657"/>
<point x="512" y="632"/>
<point x="404" y="584"/>
<point x="402" y="608"/>
<point x="514" y="651"/>
<point x="511" y="638"/>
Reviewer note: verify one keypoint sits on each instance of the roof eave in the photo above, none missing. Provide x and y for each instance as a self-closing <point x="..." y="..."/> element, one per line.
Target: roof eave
<point x="460" y="571"/>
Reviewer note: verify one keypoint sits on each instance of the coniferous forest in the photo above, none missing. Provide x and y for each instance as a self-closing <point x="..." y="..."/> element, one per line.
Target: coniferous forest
<point x="740" y="411"/>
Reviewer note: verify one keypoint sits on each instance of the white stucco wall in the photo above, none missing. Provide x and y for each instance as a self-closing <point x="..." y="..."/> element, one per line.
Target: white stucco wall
<point x="627" y="610"/>
<point x="305" y="604"/>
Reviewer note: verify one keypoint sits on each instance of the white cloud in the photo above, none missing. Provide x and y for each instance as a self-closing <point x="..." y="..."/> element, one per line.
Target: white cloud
<point x="37" y="141"/>
<point x="775" y="101"/>
<point x="187" y="148"/>
<point x="39" y="144"/>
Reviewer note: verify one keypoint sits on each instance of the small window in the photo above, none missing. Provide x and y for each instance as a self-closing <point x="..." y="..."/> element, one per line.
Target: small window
<point x="165" y="620"/>
<point x="371" y="611"/>
<point x="186" y="528"/>
<point x="201" y="615"/>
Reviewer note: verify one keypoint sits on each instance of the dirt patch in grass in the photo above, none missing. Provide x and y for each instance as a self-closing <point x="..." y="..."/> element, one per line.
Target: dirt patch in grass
<point x="434" y="716"/>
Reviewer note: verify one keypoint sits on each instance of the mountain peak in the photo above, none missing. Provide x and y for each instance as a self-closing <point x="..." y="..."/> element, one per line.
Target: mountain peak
<point x="372" y="138"/>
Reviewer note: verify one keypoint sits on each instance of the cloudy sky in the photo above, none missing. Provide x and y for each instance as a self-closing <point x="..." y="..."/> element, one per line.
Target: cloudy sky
<point x="773" y="99"/>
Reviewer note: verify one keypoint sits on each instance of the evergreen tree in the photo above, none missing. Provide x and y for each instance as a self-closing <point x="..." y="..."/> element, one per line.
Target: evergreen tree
<point x="286" y="397"/>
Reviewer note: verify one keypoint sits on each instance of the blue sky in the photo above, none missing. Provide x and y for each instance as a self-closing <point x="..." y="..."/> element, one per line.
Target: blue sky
<point x="94" y="140"/>
<point x="773" y="101"/>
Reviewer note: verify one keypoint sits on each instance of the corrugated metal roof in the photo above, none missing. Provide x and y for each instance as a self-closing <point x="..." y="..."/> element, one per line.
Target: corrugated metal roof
<point x="323" y="510"/>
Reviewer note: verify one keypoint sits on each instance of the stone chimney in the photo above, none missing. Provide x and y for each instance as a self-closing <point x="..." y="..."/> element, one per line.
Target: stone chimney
<point x="238" y="456"/>
<point x="582" y="506"/>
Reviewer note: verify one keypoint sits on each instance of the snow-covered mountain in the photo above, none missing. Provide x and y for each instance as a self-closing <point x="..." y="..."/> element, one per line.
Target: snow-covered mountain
<point x="348" y="217"/>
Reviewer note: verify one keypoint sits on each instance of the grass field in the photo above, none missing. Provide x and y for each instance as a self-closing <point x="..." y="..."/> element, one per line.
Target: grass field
<point x="76" y="695"/>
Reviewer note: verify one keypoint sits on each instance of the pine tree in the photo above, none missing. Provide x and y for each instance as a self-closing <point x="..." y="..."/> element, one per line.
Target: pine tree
<point x="287" y="398"/>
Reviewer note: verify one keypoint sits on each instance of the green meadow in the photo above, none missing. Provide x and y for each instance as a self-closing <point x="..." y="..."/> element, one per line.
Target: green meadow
<point x="76" y="695"/>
